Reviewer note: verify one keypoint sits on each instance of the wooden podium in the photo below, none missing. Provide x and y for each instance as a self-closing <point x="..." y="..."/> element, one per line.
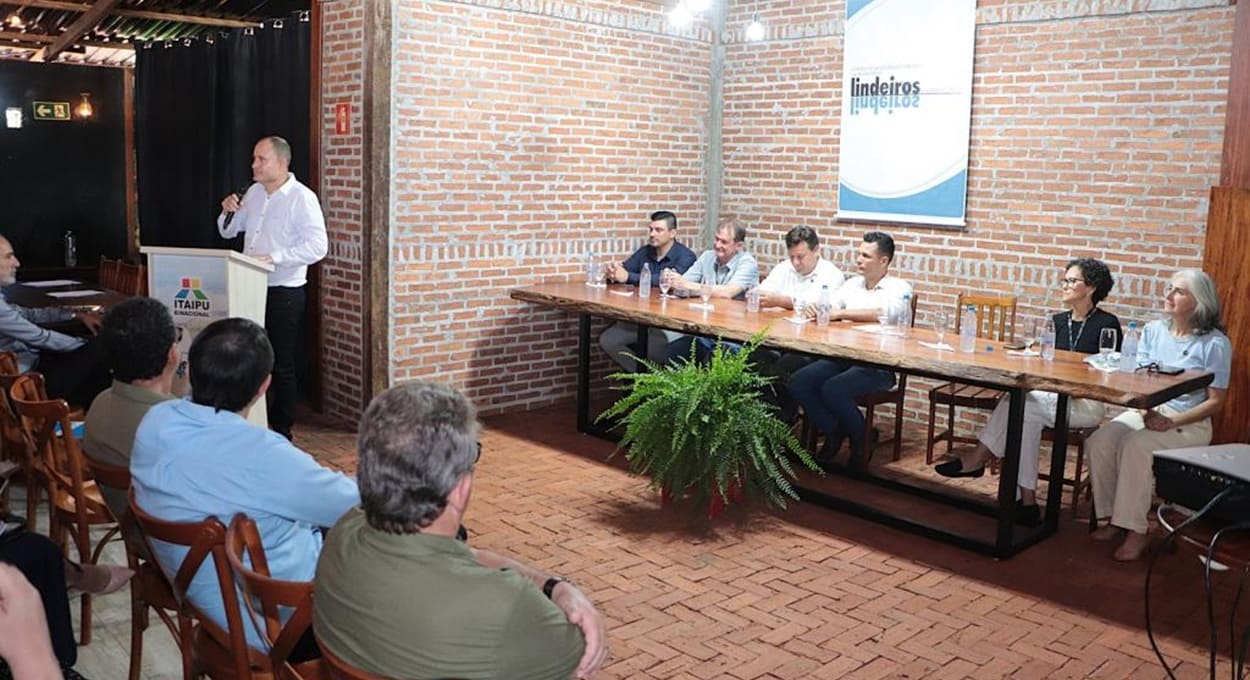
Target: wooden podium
<point x="200" y="286"/>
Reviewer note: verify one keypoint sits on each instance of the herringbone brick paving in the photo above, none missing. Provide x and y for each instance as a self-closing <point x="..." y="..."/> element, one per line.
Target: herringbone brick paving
<point x="810" y="593"/>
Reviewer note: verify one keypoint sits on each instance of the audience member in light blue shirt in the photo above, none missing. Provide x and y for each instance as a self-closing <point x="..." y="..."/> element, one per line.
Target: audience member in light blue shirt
<point x="1121" y="452"/>
<point x="200" y="457"/>
<point x="729" y="268"/>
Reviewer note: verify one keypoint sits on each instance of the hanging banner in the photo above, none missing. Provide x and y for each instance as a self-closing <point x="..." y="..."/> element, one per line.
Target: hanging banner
<point x="906" y="110"/>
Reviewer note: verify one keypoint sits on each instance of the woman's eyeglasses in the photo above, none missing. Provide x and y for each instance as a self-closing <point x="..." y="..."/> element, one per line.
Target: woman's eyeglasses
<point x="1070" y="283"/>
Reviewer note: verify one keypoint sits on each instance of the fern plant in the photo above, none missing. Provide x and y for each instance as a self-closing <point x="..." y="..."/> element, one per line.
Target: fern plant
<point x="705" y="430"/>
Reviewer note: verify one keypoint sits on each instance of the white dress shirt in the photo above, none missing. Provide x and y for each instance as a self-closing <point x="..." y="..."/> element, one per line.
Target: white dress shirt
<point x="286" y="225"/>
<point x="784" y="279"/>
<point x="854" y="295"/>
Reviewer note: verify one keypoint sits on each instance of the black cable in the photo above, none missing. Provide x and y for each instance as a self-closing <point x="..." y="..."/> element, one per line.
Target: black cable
<point x="1206" y="584"/>
<point x="1206" y="589"/>
<point x="1150" y="570"/>
<point x="1241" y="653"/>
<point x="1235" y="667"/>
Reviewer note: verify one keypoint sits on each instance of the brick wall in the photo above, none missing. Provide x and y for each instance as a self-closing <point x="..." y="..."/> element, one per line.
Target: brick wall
<point x="341" y="168"/>
<point x="525" y="134"/>
<point x="1096" y="131"/>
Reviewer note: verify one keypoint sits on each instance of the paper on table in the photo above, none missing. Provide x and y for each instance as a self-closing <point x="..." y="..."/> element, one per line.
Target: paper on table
<point x="51" y="284"/>
<point x="869" y="328"/>
<point x="700" y="305"/>
<point x="1109" y="363"/>
<point x="798" y="321"/>
<point x="623" y="293"/>
<point x="934" y="345"/>
<point x="75" y="293"/>
<point x="1024" y="353"/>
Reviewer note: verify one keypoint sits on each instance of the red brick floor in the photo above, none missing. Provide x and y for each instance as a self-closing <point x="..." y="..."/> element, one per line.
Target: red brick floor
<point x="810" y="593"/>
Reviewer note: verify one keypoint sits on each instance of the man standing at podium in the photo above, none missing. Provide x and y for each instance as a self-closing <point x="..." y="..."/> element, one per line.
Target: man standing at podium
<point x="282" y="224"/>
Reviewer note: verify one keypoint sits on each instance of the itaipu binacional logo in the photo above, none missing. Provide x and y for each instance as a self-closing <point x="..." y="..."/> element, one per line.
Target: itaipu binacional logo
<point x="190" y="300"/>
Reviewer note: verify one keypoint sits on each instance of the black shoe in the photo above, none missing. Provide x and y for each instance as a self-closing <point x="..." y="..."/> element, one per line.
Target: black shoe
<point x="1028" y="515"/>
<point x="955" y="468"/>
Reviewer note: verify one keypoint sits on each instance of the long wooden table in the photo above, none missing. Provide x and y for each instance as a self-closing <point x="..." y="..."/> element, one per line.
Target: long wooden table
<point x="1068" y="375"/>
<point x="24" y="295"/>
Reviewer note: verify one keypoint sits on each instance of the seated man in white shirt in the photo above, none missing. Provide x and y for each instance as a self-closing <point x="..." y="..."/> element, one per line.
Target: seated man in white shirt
<point x="801" y="276"/>
<point x="829" y="389"/>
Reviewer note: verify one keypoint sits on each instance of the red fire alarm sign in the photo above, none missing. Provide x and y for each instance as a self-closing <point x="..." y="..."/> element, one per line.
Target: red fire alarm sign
<point x="343" y="118"/>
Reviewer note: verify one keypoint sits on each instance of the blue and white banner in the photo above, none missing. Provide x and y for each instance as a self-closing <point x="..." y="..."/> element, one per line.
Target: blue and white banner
<point x="906" y="110"/>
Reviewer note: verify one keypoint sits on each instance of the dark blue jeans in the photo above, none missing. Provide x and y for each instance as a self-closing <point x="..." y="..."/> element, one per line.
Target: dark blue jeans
<point x="828" y="390"/>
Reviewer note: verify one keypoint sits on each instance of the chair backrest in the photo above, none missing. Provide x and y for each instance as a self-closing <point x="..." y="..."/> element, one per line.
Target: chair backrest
<point x="133" y="279"/>
<point x="109" y="275"/>
<point x="996" y="315"/>
<point x="47" y="425"/>
<point x="340" y="669"/>
<point x="15" y="446"/>
<point x="203" y="539"/>
<point x="915" y="302"/>
<point x="268" y="594"/>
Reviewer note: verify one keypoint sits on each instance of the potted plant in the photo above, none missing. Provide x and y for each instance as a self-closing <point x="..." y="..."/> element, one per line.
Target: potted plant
<point x="704" y="430"/>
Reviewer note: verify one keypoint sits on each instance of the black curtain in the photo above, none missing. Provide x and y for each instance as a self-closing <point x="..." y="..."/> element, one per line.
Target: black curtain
<point x="200" y="107"/>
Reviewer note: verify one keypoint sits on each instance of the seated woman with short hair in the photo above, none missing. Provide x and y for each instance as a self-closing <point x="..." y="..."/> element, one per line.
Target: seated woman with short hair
<point x="1086" y="283"/>
<point x="1121" y="453"/>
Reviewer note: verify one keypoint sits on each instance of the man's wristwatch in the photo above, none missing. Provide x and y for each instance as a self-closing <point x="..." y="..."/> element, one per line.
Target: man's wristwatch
<point x="551" y="584"/>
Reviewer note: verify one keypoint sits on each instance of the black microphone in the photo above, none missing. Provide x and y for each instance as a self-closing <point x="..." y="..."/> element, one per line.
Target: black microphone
<point x="230" y="216"/>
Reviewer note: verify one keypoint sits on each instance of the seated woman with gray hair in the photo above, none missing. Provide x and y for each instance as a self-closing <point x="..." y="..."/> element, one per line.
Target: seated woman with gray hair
<point x="1121" y="452"/>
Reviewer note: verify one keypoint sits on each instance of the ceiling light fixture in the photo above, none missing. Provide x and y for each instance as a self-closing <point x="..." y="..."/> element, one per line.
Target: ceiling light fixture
<point x="679" y="16"/>
<point x="755" y="30"/>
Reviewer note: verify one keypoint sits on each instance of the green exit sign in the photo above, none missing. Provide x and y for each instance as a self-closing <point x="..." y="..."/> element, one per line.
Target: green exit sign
<point x="51" y="110"/>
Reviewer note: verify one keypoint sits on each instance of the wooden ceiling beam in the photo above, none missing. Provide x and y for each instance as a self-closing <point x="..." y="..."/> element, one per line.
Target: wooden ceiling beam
<point x="33" y="38"/>
<point x="137" y="13"/>
<point x="85" y="22"/>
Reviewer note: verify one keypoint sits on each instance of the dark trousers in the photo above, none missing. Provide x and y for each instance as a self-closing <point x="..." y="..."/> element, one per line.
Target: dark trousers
<point x="284" y="312"/>
<point x="77" y="376"/>
<point x="829" y="389"/>
<point x="41" y="562"/>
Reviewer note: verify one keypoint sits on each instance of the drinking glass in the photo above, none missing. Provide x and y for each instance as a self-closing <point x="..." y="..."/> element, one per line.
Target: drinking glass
<point x="883" y="317"/>
<point x="705" y="292"/>
<point x="799" y="307"/>
<point x="1106" y="345"/>
<point x="666" y="281"/>
<point x="940" y="321"/>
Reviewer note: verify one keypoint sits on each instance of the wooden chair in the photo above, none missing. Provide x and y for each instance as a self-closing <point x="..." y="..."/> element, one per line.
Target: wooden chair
<point x="75" y="502"/>
<point x="996" y="320"/>
<point x="149" y="588"/>
<point x="133" y="279"/>
<point x="208" y="649"/>
<point x="894" y="396"/>
<point x="109" y="276"/>
<point x="261" y="591"/>
<point x="15" y="455"/>
<point x="341" y="670"/>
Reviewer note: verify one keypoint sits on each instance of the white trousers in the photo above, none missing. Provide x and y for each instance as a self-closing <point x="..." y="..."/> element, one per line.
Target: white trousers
<point x="1121" y="464"/>
<point x="616" y="339"/>
<point x="1039" y="413"/>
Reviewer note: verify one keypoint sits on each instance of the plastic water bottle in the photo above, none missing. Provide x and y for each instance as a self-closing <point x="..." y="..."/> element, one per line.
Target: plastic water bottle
<point x="824" y="304"/>
<point x="753" y="298"/>
<point x="904" y="316"/>
<point x="1128" y="349"/>
<point x="644" y="281"/>
<point x="71" y="250"/>
<point x="968" y="330"/>
<point x="591" y="270"/>
<point x="1047" y="340"/>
